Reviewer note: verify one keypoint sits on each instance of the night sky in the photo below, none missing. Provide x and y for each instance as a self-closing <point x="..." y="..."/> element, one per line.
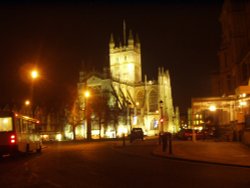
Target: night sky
<point x="182" y="36"/>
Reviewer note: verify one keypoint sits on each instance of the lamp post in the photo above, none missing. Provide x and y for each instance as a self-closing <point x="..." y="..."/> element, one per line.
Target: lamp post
<point x="26" y="109"/>
<point x="128" y="115"/>
<point x="87" y="114"/>
<point x="34" y="74"/>
<point x="27" y="103"/>
<point x="161" y="120"/>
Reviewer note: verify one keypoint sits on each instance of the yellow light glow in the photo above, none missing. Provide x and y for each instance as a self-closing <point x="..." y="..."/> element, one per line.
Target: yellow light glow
<point x="34" y="74"/>
<point x="5" y="120"/>
<point x="59" y="137"/>
<point x="122" y="130"/>
<point x="95" y="132"/>
<point x="243" y="95"/>
<point x="212" y="108"/>
<point x="130" y="67"/>
<point x="87" y="94"/>
<point x="135" y="120"/>
<point x="243" y="103"/>
<point x="27" y="102"/>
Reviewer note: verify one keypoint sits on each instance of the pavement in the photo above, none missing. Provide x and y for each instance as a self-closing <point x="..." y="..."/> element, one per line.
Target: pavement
<point x="208" y="151"/>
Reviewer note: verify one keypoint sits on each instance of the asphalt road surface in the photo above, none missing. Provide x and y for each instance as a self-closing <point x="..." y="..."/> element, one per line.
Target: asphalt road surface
<point x="108" y="164"/>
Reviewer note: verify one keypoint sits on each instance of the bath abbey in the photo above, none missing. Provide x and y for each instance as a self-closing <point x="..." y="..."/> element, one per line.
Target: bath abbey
<point x="119" y="98"/>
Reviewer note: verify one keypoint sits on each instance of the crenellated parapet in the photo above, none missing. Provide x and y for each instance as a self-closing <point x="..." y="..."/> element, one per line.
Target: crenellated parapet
<point x="125" y="58"/>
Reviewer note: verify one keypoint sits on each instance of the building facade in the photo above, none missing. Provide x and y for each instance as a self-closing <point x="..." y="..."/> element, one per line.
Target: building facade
<point x="230" y="84"/>
<point x="136" y="102"/>
<point x="234" y="53"/>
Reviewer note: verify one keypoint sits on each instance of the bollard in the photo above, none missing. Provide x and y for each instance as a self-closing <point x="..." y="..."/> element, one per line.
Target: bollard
<point x="164" y="142"/>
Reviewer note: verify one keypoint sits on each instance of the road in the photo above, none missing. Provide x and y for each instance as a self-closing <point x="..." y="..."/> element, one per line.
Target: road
<point x="108" y="164"/>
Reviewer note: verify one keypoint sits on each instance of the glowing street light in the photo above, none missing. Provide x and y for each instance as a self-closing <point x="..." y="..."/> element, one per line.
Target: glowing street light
<point x="87" y="94"/>
<point x="212" y="108"/>
<point x="27" y="103"/>
<point x="34" y="74"/>
<point x="87" y="115"/>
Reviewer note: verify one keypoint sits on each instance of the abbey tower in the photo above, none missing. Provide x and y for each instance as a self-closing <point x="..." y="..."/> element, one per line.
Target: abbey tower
<point x="145" y="103"/>
<point x="125" y="59"/>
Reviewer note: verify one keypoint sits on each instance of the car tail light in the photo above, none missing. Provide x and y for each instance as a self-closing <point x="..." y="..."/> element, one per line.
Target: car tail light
<point x="12" y="139"/>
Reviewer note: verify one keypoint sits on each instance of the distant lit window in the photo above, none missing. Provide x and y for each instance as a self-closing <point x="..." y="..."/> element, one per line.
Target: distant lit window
<point x="6" y="124"/>
<point x="212" y="108"/>
<point x="154" y="124"/>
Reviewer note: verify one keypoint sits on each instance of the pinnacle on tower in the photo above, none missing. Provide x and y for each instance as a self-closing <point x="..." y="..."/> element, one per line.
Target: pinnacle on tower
<point x="124" y="34"/>
<point x="130" y="39"/>
<point x="111" y="42"/>
<point x="137" y="41"/>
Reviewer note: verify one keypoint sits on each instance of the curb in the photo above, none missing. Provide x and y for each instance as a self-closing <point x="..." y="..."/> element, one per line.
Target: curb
<point x="172" y="157"/>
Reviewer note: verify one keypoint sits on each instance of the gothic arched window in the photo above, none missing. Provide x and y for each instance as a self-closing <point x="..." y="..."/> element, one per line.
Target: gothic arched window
<point x="153" y="105"/>
<point x="140" y="98"/>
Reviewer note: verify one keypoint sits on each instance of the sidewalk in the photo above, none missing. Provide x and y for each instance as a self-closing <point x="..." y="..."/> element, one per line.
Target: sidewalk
<point x="227" y="153"/>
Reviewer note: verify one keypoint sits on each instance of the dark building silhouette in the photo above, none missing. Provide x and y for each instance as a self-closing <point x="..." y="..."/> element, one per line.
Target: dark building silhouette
<point x="234" y="54"/>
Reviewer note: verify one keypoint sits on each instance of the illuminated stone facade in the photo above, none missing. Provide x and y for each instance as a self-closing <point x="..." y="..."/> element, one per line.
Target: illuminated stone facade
<point x="140" y="100"/>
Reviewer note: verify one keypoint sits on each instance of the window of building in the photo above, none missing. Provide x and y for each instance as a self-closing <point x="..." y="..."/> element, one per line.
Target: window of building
<point x="140" y="98"/>
<point x="153" y="104"/>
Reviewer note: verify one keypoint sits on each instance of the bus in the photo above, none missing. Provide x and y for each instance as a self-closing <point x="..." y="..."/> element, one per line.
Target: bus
<point x="19" y="134"/>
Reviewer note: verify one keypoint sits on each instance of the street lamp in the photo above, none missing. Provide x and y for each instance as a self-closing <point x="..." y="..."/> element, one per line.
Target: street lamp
<point x="34" y="74"/>
<point x="26" y="108"/>
<point x="161" y="117"/>
<point x="27" y="103"/>
<point x="128" y="115"/>
<point x="212" y="108"/>
<point x="86" y="94"/>
<point x="161" y="120"/>
<point x="87" y="115"/>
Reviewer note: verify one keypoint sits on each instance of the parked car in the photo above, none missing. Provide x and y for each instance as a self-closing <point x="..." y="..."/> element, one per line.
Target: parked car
<point x="136" y="133"/>
<point x="209" y="132"/>
<point x="187" y="134"/>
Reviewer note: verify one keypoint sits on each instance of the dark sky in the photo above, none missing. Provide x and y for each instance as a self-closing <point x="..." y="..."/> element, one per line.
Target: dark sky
<point x="182" y="36"/>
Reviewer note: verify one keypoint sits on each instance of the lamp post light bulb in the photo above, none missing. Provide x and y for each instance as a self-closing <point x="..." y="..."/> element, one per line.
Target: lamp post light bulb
<point x="27" y="102"/>
<point x="34" y="74"/>
<point x="87" y="94"/>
